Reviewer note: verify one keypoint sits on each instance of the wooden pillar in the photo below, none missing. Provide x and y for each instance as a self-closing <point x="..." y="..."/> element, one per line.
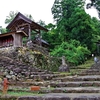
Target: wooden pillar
<point x="29" y="32"/>
<point x="40" y="43"/>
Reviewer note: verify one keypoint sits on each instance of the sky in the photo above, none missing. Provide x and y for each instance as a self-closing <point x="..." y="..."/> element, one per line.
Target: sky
<point x="92" y="11"/>
<point x="39" y="9"/>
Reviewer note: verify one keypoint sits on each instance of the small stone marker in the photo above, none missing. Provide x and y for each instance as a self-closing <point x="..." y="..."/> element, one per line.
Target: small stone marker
<point x="64" y="67"/>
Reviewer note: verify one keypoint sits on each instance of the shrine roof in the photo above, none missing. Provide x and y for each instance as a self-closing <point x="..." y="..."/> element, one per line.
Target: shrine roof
<point x="21" y="19"/>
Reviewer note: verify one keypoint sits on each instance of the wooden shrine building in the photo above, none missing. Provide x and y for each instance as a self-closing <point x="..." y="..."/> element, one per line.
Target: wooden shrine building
<point x="20" y="27"/>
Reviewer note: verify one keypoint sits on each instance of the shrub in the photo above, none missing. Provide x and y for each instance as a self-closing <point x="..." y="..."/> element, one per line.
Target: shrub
<point x="75" y="53"/>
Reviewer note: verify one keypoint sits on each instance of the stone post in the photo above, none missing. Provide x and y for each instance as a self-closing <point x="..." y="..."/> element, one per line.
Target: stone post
<point x="64" y="67"/>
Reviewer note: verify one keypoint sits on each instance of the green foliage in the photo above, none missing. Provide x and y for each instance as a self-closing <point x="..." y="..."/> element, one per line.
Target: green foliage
<point x="64" y="8"/>
<point x="74" y="23"/>
<point x="3" y="30"/>
<point x="11" y="16"/>
<point x="82" y="28"/>
<point x="42" y="23"/>
<point x="29" y="16"/>
<point x="73" y="51"/>
<point x="51" y="36"/>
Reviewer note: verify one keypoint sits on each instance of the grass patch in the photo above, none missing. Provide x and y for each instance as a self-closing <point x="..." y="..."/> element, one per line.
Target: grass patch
<point x="77" y="69"/>
<point x="82" y="67"/>
<point x="18" y="94"/>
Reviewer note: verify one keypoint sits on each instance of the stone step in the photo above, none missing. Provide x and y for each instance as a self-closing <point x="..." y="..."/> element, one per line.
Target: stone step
<point x="45" y="90"/>
<point x="63" y="96"/>
<point x="88" y="73"/>
<point x="43" y="77"/>
<point x="34" y="77"/>
<point x="54" y="81"/>
<point x="71" y="90"/>
<point x="56" y="96"/>
<point x="78" y="67"/>
<point x="92" y="70"/>
<point x="75" y="84"/>
<point x="40" y="73"/>
<point x="59" y="84"/>
<point x="78" y="78"/>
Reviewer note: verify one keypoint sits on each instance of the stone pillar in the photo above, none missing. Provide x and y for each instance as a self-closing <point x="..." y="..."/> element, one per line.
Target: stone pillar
<point x="64" y="67"/>
<point x="29" y="38"/>
<point x="39" y="38"/>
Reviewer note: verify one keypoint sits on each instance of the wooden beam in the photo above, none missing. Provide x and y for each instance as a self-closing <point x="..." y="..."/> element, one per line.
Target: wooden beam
<point x="36" y="30"/>
<point x="26" y="24"/>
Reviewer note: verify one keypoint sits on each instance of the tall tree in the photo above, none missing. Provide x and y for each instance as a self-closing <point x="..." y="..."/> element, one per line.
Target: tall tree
<point x="42" y="23"/>
<point x="73" y="22"/>
<point x="96" y="25"/>
<point x="64" y="8"/>
<point x="62" y="11"/>
<point x="29" y="16"/>
<point x="81" y="27"/>
<point x="11" y="16"/>
<point x="96" y="33"/>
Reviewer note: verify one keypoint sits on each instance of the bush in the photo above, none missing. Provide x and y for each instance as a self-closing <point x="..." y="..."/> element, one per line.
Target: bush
<point x="73" y="51"/>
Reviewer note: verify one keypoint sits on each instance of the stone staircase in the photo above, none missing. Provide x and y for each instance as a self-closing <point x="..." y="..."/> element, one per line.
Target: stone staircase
<point x="83" y="86"/>
<point x="53" y="86"/>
